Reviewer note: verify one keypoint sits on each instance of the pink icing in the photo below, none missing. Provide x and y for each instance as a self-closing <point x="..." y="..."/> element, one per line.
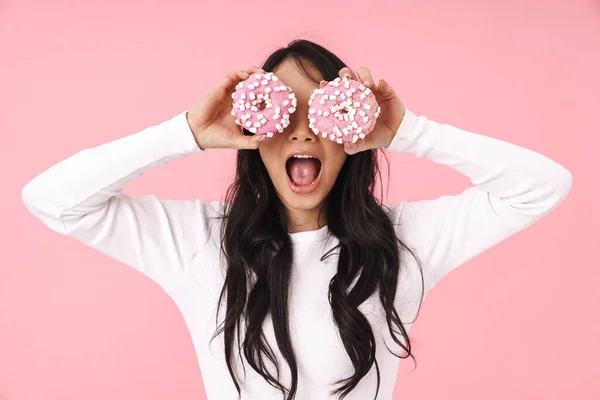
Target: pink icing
<point x="262" y="104"/>
<point x="343" y="111"/>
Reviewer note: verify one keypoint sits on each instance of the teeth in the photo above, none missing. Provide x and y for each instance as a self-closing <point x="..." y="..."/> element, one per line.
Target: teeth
<point x="302" y="156"/>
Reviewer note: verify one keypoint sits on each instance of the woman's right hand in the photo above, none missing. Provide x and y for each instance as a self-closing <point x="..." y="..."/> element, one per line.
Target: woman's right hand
<point x="211" y="121"/>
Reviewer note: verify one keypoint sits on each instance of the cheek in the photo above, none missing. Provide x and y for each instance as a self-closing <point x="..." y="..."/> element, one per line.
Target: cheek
<point x="268" y="154"/>
<point x="336" y="157"/>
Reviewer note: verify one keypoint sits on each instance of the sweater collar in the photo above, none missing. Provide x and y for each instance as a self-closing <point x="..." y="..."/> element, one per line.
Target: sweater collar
<point x="310" y="236"/>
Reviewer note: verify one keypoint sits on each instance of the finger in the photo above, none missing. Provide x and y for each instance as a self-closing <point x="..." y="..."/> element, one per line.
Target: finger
<point x="351" y="148"/>
<point x="253" y="70"/>
<point x="346" y="73"/>
<point x="386" y="91"/>
<point x="228" y="84"/>
<point x="249" y="142"/>
<point x="365" y="77"/>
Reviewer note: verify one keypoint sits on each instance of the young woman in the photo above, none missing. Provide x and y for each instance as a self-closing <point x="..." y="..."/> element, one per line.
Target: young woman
<point x="316" y="289"/>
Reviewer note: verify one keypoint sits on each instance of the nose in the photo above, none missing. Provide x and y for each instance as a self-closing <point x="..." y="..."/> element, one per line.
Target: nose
<point x="302" y="134"/>
<point x="298" y="128"/>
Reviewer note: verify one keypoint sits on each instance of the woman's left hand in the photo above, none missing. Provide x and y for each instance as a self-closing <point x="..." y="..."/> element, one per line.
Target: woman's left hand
<point x="392" y="112"/>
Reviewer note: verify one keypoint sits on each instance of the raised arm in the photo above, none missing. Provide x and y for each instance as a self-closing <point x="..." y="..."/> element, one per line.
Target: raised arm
<point x="82" y="196"/>
<point x="512" y="188"/>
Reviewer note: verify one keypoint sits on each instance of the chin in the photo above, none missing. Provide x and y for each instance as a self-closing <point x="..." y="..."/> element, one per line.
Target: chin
<point x="303" y="202"/>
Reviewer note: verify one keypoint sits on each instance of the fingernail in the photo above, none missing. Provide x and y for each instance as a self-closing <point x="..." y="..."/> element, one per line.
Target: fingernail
<point x="262" y="138"/>
<point x="367" y="83"/>
<point x="346" y="145"/>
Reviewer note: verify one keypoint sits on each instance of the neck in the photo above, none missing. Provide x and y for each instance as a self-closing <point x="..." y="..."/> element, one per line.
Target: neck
<point x="307" y="220"/>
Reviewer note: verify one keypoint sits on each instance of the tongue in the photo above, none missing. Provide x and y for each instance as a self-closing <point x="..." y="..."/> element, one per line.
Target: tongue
<point x="303" y="171"/>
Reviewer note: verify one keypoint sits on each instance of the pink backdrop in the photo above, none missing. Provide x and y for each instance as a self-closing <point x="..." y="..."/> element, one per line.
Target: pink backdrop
<point x="518" y="322"/>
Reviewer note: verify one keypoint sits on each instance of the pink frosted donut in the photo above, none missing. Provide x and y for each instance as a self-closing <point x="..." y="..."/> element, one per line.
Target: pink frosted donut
<point x="263" y="104"/>
<point x="344" y="111"/>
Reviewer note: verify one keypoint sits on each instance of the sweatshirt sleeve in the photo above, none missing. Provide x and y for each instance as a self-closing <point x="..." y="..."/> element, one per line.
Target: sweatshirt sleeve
<point x="512" y="188"/>
<point x="82" y="197"/>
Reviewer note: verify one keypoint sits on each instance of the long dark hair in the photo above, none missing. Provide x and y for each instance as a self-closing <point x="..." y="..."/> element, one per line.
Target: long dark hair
<point x="258" y="251"/>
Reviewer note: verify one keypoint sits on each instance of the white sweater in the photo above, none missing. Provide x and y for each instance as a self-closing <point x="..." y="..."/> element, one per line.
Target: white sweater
<point x="176" y="243"/>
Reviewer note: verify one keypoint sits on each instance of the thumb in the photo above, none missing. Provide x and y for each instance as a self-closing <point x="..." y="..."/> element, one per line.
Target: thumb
<point x="353" y="148"/>
<point x="386" y="92"/>
<point x="244" y="142"/>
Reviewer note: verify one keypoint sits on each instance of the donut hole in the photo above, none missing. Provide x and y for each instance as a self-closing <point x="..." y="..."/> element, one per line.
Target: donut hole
<point x="261" y="105"/>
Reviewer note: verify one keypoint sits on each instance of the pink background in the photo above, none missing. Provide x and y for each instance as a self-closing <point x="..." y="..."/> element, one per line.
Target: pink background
<point x="518" y="322"/>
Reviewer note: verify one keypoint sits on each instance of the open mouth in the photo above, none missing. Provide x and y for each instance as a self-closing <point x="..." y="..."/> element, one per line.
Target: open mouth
<point x="303" y="171"/>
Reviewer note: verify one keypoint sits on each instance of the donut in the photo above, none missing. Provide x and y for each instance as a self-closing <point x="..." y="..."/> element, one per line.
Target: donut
<point x="262" y="104"/>
<point x="343" y="111"/>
